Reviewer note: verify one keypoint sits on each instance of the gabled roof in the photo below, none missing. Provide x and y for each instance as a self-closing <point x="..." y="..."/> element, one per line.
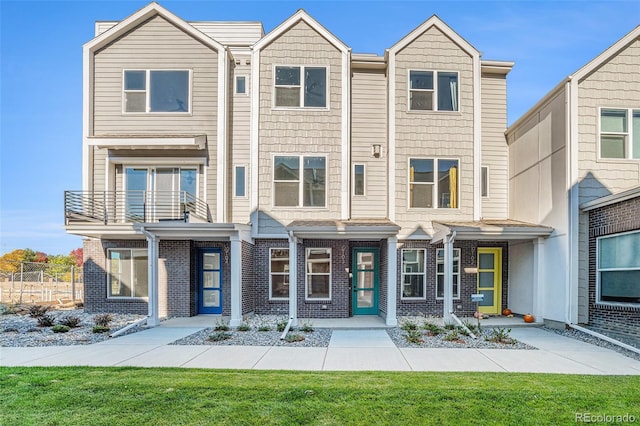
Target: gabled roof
<point x="438" y="23"/>
<point x="144" y="14"/>
<point x="607" y="200"/>
<point x="299" y="16"/>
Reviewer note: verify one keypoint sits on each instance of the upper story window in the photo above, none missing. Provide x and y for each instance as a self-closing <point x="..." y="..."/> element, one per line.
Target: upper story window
<point x="241" y="85"/>
<point x="302" y="86"/>
<point x="620" y="133"/>
<point x="618" y="267"/>
<point x="433" y="91"/>
<point x="358" y="179"/>
<point x="433" y="183"/>
<point x="299" y="181"/>
<point x="164" y="91"/>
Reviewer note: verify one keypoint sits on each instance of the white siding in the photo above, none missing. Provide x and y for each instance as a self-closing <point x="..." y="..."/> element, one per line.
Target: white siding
<point x="240" y="143"/>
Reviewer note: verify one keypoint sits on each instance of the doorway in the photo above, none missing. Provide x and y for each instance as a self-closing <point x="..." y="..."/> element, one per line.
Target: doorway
<point x="365" y="281"/>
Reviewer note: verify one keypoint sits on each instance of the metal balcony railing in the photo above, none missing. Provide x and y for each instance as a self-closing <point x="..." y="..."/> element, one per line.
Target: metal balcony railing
<point x="133" y="206"/>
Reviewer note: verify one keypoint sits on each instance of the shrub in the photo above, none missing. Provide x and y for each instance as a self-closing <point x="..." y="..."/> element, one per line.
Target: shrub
<point x="413" y="336"/>
<point x="432" y="328"/>
<point x="100" y="329"/>
<point x="307" y="327"/>
<point x="45" y="320"/>
<point x="281" y="325"/>
<point x="449" y="326"/>
<point x="36" y="311"/>
<point x="264" y="327"/>
<point x="60" y="328"/>
<point x="103" y="320"/>
<point x="9" y="308"/>
<point x="409" y="326"/>
<point x="500" y="335"/>
<point x="291" y="338"/>
<point x="452" y="336"/>
<point x="471" y="326"/>
<point x="244" y="327"/>
<point x="221" y="326"/>
<point x="220" y="336"/>
<point x="70" y="321"/>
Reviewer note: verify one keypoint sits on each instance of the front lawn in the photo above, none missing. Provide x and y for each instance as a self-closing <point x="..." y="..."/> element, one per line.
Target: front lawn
<point x="137" y="396"/>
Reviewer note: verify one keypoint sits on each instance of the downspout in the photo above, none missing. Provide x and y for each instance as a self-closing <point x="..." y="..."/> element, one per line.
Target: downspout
<point x="448" y="276"/>
<point x="293" y="281"/>
<point x="152" y="262"/>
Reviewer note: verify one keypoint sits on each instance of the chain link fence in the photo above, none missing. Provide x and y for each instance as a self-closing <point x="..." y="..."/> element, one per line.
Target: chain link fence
<point x="33" y="282"/>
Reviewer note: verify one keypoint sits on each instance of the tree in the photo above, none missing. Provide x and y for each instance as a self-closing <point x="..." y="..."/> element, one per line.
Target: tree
<point x="78" y="254"/>
<point x="41" y="257"/>
<point x="10" y="262"/>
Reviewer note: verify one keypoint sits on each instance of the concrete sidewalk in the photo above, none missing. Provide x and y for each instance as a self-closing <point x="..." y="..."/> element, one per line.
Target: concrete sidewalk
<point x="349" y="350"/>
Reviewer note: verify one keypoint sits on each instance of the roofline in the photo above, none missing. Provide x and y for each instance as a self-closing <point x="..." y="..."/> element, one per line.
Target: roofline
<point x="607" y="200"/>
<point x="300" y="15"/>
<point x="496" y="67"/>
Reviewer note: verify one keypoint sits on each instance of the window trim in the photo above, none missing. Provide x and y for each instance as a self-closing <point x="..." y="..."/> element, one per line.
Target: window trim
<point x="306" y="274"/>
<point x="628" y="145"/>
<point x="455" y="250"/>
<point x="235" y="176"/>
<point x="235" y="85"/>
<point x="301" y="100"/>
<point x="364" y="180"/>
<point x="424" y="274"/>
<point x="147" y="91"/>
<point x="271" y="273"/>
<point x="435" y="187"/>
<point x="434" y="90"/>
<point x="484" y="181"/>
<point x="108" y="274"/>
<point x="300" y="181"/>
<point x="599" y="300"/>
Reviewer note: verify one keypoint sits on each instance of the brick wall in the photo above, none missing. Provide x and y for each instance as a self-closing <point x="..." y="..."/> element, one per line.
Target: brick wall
<point x="174" y="279"/>
<point x="263" y="305"/>
<point x="619" y="321"/>
<point x="248" y="278"/>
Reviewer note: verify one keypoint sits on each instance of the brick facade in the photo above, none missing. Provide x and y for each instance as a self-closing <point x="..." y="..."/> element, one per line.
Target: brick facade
<point x="621" y="321"/>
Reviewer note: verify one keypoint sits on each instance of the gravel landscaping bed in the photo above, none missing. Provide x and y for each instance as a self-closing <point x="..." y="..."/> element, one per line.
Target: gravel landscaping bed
<point x="399" y="338"/>
<point x="584" y="337"/>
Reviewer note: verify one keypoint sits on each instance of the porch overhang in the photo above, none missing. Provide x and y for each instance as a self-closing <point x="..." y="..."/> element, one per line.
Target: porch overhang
<point x="361" y="229"/>
<point x="148" y="141"/>
<point x="170" y="230"/>
<point x="494" y="230"/>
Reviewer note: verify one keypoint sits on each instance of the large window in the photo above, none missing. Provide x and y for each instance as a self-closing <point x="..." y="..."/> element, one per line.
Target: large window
<point x="433" y="91"/>
<point x="413" y="274"/>
<point x="620" y="133"/>
<point x="299" y="181"/>
<point x="440" y="273"/>
<point x="279" y="273"/>
<point x="300" y="87"/>
<point x="618" y="264"/>
<point x="156" y="91"/>
<point x="318" y="273"/>
<point x="433" y="183"/>
<point x="128" y="272"/>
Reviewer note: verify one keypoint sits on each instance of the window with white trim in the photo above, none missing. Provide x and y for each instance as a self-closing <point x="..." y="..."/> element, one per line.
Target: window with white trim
<point x="433" y="91"/>
<point x="318" y="273"/>
<point x="240" y="181"/>
<point x="440" y="273"/>
<point x="620" y="133"/>
<point x="128" y="273"/>
<point x="484" y="182"/>
<point x="300" y="86"/>
<point x="433" y="183"/>
<point x="299" y="181"/>
<point x="241" y="85"/>
<point x="358" y="179"/>
<point x="279" y="273"/>
<point x="148" y="91"/>
<point x="618" y="268"/>
<point x="413" y="273"/>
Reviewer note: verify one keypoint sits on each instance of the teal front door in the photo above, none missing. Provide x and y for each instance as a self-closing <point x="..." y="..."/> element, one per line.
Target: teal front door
<point x="210" y="281"/>
<point x="365" y="281"/>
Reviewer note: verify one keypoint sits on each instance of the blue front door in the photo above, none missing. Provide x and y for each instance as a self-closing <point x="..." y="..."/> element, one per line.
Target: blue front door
<point x="210" y="281"/>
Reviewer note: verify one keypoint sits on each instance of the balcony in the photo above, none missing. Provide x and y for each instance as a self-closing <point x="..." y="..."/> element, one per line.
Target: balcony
<point x="111" y="207"/>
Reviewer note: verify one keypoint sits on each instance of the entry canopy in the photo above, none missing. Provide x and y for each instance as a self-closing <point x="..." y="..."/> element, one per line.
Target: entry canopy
<point x="506" y="229"/>
<point x="365" y="229"/>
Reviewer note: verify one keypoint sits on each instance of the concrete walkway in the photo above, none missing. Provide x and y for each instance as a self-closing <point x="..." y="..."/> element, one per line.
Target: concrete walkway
<point x="351" y="350"/>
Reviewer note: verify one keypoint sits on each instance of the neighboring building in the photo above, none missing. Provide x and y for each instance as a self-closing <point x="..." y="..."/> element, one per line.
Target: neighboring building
<point x="230" y="172"/>
<point x="578" y="144"/>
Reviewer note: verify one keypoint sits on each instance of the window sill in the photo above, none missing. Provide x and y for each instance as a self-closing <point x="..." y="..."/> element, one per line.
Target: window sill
<point x="319" y="301"/>
<point x="429" y="111"/>
<point x="618" y="160"/>
<point x="278" y="300"/>
<point x="157" y="114"/>
<point x="618" y="306"/>
<point x="317" y="109"/>
<point x="127" y="299"/>
<point x="413" y="299"/>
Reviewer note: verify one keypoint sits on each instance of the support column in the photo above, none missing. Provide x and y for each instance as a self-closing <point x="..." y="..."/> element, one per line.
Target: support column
<point x="236" y="281"/>
<point x="448" y="278"/>
<point x="293" y="279"/>
<point x="152" y="262"/>
<point x="392" y="281"/>
<point x="538" y="274"/>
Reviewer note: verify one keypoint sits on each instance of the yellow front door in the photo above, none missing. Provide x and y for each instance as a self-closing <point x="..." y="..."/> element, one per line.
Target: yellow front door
<point x="490" y="279"/>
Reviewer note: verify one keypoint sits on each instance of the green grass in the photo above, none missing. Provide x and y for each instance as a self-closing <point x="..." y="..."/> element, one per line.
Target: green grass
<point x="136" y="396"/>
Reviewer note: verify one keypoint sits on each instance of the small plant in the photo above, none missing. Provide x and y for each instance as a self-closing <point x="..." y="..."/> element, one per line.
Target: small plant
<point x="449" y="326"/>
<point x="432" y="329"/>
<point x="36" y="311"/>
<point x="264" y="327"/>
<point x="10" y="330"/>
<point x="462" y="330"/>
<point x="500" y="335"/>
<point x="306" y="327"/>
<point x="45" y="320"/>
<point x="9" y="308"/>
<point x="281" y="325"/>
<point x="100" y="329"/>
<point x="103" y="320"/>
<point x="220" y="336"/>
<point x="409" y="326"/>
<point x="60" y="328"/>
<point x="244" y="327"/>
<point x="452" y="336"/>
<point x="413" y="336"/>
<point x="70" y="321"/>
<point x="471" y="326"/>
<point x="221" y="326"/>
<point x="291" y="338"/>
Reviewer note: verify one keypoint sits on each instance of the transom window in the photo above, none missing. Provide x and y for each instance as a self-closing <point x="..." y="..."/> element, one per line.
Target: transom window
<point x="301" y="86"/>
<point x="618" y="268"/>
<point x="299" y="181"/>
<point x="433" y="183"/>
<point x="440" y="273"/>
<point x="156" y="91"/>
<point x="413" y="274"/>
<point x="128" y="273"/>
<point x="279" y="273"/>
<point x="433" y="91"/>
<point x="620" y="133"/>
<point x="318" y="273"/>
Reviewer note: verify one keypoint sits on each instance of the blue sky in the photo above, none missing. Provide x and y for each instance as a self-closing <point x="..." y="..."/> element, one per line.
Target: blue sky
<point x="41" y="74"/>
